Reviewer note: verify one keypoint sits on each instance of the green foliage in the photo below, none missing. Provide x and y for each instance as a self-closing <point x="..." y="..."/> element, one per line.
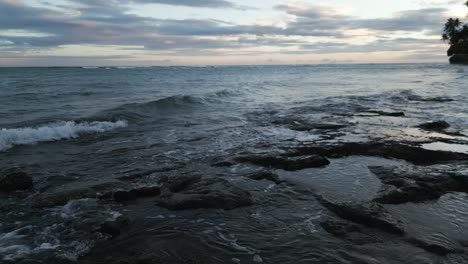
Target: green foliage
<point x="456" y="33"/>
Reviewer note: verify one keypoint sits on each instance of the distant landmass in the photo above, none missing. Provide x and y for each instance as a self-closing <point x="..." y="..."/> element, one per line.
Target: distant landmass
<point x="456" y="33"/>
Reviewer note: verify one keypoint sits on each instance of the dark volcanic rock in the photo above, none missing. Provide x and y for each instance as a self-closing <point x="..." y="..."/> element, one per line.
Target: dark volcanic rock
<point x="15" y="179"/>
<point x="115" y="227"/>
<point x="286" y="163"/>
<point x="206" y="193"/>
<point x="385" y="113"/>
<point x="429" y="99"/>
<point x="370" y="214"/>
<point x="180" y="183"/>
<point x="435" y="125"/>
<point x="413" y="154"/>
<point x="224" y="163"/>
<point x="304" y="125"/>
<point x="404" y="185"/>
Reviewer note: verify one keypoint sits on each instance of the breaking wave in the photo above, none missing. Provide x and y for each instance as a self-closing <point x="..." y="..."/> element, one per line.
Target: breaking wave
<point x="53" y="132"/>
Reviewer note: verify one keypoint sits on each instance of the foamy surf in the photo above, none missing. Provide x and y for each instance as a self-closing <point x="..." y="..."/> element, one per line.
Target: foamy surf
<point x="55" y="131"/>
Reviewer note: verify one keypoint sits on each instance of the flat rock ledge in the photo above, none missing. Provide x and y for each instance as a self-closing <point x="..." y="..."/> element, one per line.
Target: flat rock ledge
<point x="402" y="184"/>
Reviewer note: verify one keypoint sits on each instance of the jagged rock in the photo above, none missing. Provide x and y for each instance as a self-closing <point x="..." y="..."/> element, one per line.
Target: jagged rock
<point x="370" y="214"/>
<point x="286" y="163"/>
<point x="206" y="193"/>
<point x="63" y="196"/>
<point x="15" y="179"/>
<point x="115" y="227"/>
<point x="397" y="150"/>
<point x="435" y="125"/>
<point x="129" y="195"/>
<point x="404" y="185"/>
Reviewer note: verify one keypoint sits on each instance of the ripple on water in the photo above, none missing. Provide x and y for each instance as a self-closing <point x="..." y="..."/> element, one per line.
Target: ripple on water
<point x="344" y="179"/>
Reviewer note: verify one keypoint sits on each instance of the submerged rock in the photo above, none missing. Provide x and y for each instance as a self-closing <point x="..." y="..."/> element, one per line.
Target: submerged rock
<point x="265" y="175"/>
<point x="437" y="244"/>
<point x="435" y="125"/>
<point x="350" y="231"/>
<point x="15" y="179"/>
<point x="133" y="194"/>
<point x="304" y="125"/>
<point x="206" y="193"/>
<point x="429" y="99"/>
<point x="403" y="185"/>
<point x="115" y="227"/>
<point x="63" y="196"/>
<point x="286" y="163"/>
<point x="340" y="228"/>
<point x="370" y="214"/>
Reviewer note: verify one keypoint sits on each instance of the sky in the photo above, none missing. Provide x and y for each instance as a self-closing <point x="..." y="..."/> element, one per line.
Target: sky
<point x="222" y="32"/>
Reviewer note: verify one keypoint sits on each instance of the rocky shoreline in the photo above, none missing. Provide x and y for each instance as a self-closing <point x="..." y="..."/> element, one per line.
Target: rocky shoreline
<point x="217" y="188"/>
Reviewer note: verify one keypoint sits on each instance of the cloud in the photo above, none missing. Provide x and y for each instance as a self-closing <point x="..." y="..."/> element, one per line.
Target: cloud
<point x="319" y="19"/>
<point x="308" y="28"/>
<point x="192" y="3"/>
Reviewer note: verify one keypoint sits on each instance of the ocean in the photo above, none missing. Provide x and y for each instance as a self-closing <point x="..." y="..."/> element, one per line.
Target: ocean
<point x="85" y="133"/>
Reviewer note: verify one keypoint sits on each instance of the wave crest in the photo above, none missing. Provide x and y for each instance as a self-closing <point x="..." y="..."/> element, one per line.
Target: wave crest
<point x="53" y="132"/>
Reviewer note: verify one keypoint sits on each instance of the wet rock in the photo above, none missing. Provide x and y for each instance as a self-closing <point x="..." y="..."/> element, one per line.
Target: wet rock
<point x="142" y="174"/>
<point x="129" y="195"/>
<point x="386" y="113"/>
<point x="63" y="196"/>
<point x="340" y="228"/>
<point x="436" y="243"/>
<point x="435" y="125"/>
<point x="350" y="231"/>
<point x="179" y="183"/>
<point x="370" y="214"/>
<point x="15" y="179"/>
<point x="286" y="163"/>
<point x="115" y="227"/>
<point x="206" y="193"/>
<point x="265" y="175"/>
<point x="429" y="99"/>
<point x="224" y="163"/>
<point x="403" y="185"/>
<point x="397" y="150"/>
<point x="304" y="125"/>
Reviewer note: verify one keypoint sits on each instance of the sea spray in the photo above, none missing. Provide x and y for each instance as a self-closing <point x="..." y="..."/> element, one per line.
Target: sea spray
<point x="53" y="132"/>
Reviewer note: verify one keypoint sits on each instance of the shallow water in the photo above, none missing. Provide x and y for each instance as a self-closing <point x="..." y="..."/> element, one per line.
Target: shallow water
<point x="69" y="127"/>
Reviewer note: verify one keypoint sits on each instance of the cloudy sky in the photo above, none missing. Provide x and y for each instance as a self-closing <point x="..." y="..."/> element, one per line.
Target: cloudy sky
<point x="222" y="32"/>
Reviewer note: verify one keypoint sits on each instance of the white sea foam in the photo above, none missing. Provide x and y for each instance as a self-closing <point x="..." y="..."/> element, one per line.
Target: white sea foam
<point x="53" y="132"/>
